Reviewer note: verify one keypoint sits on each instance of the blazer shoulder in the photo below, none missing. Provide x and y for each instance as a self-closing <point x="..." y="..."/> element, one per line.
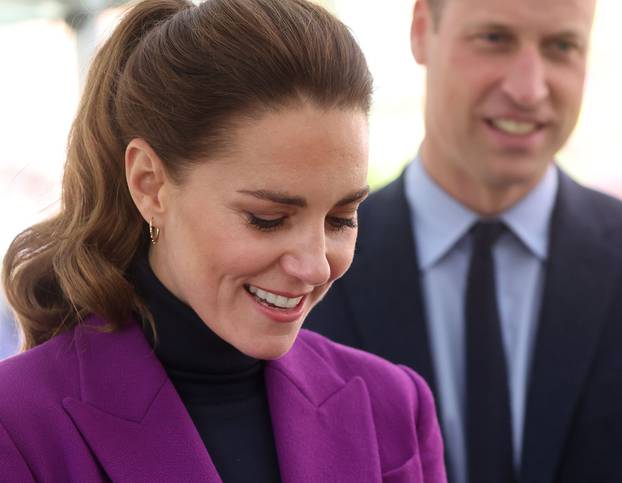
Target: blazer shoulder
<point x="389" y="197"/>
<point x="34" y="381"/>
<point x="594" y="206"/>
<point x="381" y="376"/>
<point x="385" y="224"/>
<point x="401" y="401"/>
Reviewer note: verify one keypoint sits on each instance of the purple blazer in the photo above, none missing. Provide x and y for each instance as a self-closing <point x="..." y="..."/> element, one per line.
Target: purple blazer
<point x="90" y="406"/>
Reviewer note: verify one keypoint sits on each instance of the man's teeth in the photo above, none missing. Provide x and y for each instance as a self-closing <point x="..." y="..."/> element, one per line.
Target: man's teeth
<point x="514" y="127"/>
<point x="273" y="299"/>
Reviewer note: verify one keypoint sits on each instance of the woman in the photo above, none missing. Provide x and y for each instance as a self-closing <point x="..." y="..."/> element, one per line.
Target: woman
<point x="213" y="176"/>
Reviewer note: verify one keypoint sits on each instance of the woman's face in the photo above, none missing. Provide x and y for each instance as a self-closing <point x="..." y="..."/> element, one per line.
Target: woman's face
<point x="253" y="240"/>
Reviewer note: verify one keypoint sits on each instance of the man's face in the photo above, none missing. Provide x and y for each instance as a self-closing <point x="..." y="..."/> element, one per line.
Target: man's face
<point x="504" y="86"/>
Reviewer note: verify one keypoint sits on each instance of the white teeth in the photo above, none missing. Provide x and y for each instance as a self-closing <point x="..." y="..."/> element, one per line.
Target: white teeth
<point x="514" y="127"/>
<point x="274" y="299"/>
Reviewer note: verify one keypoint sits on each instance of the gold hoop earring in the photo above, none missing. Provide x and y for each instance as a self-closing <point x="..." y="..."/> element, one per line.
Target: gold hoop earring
<point x="154" y="232"/>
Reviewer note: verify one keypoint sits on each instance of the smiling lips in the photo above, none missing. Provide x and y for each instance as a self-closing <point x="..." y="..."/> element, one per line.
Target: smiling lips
<point x="273" y="300"/>
<point x="514" y="127"/>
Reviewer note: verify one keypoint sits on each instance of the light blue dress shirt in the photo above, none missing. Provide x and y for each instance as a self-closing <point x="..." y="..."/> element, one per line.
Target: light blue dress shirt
<point x="440" y="225"/>
<point x="8" y="332"/>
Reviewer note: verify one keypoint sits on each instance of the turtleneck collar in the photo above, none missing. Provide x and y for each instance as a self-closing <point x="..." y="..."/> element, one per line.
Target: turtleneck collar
<point x="185" y="344"/>
<point x="222" y="389"/>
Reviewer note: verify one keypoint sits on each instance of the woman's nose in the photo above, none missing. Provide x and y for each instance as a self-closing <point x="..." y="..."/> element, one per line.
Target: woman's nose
<point x="308" y="260"/>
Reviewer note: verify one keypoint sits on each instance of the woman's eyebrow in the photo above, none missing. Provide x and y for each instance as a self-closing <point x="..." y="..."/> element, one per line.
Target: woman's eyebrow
<point x="276" y="197"/>
<point x="286" y="199"/>
<point x="354" y="197"/>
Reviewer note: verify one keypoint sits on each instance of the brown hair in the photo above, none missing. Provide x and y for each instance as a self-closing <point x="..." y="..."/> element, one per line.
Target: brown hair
<point x="436" y="7"/>
<point x="178" y="76"/>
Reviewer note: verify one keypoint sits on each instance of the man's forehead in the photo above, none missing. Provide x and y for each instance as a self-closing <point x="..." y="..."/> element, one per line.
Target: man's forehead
<point x="588" y="4"/>
<point x="573" y="15"/>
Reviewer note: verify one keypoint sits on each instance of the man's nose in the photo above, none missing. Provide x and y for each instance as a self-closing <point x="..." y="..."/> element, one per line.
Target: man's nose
<point x="525" y="81"/>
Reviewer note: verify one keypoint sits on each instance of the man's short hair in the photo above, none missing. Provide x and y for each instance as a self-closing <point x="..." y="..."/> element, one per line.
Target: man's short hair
<point x="435" y="7"/>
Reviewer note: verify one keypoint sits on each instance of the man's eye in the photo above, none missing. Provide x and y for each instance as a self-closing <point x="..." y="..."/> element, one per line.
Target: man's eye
<point x="264" y="224"/>
<point x="495" y="37"/>
<point x="563" y="46"/>
<point x="338" y="224"/>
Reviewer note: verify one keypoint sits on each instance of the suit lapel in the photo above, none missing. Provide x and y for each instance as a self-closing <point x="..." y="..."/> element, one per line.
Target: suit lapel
<point x="580" y="278"/>
<point x="390" y="312"/>
<point x="129" y="413"/>
<point x="323" y="425"/>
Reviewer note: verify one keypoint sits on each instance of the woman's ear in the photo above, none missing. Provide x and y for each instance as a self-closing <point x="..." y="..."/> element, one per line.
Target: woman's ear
<point x="146" y="178"/>
<point x="422" y="21"/>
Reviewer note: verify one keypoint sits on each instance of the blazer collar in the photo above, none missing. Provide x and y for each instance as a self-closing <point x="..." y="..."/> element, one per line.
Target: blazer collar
<point x="139" y="430"/>
<point x="129" y="413"/>
<point x="582" y="275"/>
<point x="323" y="425"/>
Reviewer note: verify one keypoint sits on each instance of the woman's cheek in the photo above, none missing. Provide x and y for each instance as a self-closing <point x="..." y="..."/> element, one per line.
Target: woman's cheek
<point x="342" y="256"/>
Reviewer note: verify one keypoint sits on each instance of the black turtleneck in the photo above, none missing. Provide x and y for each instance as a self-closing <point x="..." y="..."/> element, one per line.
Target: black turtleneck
<point x="222" y="389"/>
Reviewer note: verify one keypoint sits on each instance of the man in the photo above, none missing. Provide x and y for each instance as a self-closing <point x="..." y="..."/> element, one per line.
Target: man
<point x="484" y="266"/>
<point x="8" y="335"/>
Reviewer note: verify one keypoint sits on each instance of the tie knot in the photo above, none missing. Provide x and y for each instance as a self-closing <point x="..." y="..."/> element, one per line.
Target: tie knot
<point x="486" y="233"/>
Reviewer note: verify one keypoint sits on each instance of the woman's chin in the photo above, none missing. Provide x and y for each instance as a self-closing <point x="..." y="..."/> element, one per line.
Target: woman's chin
<point x="269" y="347"/>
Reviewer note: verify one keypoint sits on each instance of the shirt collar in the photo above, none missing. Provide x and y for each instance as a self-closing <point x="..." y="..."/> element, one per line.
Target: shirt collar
<point x="440" y="221"/>
<point x="529" y="219"/>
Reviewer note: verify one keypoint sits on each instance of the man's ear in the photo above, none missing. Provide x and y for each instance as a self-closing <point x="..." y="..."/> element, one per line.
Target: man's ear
<point x="422" y="22"/>
<point x="146" y="178"/>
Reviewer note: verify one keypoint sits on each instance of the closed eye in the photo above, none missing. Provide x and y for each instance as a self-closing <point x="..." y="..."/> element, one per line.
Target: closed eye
<point x="339" y="224"/>
<point x="264" y="224"/>
<point x="335" y="223"/>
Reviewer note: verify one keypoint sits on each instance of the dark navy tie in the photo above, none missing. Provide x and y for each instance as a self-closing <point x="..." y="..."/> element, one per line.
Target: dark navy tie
<point x="488" y="417"/>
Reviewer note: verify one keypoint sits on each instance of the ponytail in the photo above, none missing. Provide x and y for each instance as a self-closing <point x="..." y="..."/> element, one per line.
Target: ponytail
<point x="57" y="272"/>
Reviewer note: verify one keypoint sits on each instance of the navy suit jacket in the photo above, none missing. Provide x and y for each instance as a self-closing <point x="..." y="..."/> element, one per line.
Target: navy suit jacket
<point x="573" y="420"/>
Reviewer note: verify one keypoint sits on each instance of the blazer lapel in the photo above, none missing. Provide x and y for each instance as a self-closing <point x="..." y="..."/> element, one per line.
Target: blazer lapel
<point x="323" y="425"/>
<point x="578" y="291"/>
<point x="129" y="413"/>
<point x="390" y="312"/>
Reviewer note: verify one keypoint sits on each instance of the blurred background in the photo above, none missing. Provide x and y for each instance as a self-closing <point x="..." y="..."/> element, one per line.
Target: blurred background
<point x="46" y="45"/>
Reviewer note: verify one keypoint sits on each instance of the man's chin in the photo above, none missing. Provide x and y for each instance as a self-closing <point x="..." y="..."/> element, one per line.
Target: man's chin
<point x="515" y="171"/>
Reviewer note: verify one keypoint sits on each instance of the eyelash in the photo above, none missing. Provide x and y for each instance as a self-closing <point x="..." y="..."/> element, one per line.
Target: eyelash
<point x="336" y="223"/>
<point x="340" y="224"/>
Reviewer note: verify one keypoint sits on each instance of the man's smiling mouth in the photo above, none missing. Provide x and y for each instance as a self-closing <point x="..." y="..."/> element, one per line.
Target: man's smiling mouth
<point x="514" y="127"/>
